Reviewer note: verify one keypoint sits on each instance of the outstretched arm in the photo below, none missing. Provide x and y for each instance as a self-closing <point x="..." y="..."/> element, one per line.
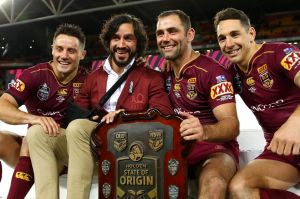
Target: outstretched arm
<point x="12" y="115"/>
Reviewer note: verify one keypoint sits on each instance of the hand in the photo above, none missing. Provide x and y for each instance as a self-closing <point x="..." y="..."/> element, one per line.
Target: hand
<point x="110" y="117"/>
<point x="191" y="128"/>
<point x="142" y="61"/>
<point x="286" y="141"/>
<point x="48" y="124"/>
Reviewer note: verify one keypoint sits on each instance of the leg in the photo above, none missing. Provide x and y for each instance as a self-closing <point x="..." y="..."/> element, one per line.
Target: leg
<point x="43" y="151"/>
<point x="81" y="162"/>
<point x="214" y="176"/>
<point x="23" y="178"/>
<point x="10" y="145"/>
<point x="262" y="173"/>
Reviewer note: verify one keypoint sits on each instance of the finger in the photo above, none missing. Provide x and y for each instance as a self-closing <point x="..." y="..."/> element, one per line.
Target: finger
<point x="288" y="149"/>
<point x="296" y="149"/>
<point x="273" y="146"/>
<point x="95" y="117"/>
<point x="280" y="148"/>
<point x="186" y="115"/>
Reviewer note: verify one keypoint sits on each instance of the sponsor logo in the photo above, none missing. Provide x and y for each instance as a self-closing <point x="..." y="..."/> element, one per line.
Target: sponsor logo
<point x="48" y="113"/>
<point x="23" y="176"/>
<point x="262" y="68"/>
<point x="250" y="81"/>
<point x="18" y="85"/>
<point x="287" y="50"/>
<point x="221" y="78"/>
<point x="177" y="87"/>
<point x="77" y="85"/>
<point x="225" y="97"/>
<point x="60" y="99"/>
<point x="43" y="92"/>
<point x="62" y="91"/>
<point x="252" y="89"/>
<point x="178" y="110"/>
<point x="192" y="80"/>
<point x="223" y="88"/>
<point x="290" y="60"/>
<point x="263" y="107"/>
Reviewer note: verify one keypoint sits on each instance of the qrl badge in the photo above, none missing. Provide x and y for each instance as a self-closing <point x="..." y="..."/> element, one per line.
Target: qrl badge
<point x="120" y="141"/>
<point x="156" y="139"/>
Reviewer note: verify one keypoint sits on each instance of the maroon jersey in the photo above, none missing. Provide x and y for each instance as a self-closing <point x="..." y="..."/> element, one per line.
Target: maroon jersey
<point x="268" y="88"/>
<point x="203" y="85"/>
<point x="42" y="94"/>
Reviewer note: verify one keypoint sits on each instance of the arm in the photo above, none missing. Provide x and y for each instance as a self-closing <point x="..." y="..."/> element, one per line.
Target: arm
<point x="12" y="115"/>
<point x="226" y="129"/>
<point x="286" y="139"/>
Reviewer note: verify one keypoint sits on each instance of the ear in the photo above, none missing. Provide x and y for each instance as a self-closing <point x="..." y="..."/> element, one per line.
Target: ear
<point x="52" y="49"/>
<point x="252" y="34"/>
<point x="191" y="34"/>
<point x="83" y="53"/>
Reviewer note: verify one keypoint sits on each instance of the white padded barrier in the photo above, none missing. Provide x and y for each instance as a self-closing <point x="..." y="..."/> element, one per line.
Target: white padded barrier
<point x="250" y="139"/>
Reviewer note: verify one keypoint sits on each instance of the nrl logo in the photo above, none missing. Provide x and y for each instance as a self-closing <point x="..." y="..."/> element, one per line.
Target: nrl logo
<point x="156" y="139"/>
<point x="120" y="141"/>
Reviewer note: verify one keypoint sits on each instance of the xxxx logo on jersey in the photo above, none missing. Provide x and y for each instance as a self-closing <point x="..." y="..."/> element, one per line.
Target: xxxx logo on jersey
<point x="220" y="89"/>
<point x="290" y="60"/>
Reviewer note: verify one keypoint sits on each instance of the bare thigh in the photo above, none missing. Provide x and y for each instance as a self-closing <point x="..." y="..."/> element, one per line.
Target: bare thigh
<point x="264" y="173"/>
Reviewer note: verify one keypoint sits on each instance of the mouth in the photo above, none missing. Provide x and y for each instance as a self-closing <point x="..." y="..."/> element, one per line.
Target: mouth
<point x="64" y="63"/>
<point x="233" y="52"/>
<point x="167" y="47"/>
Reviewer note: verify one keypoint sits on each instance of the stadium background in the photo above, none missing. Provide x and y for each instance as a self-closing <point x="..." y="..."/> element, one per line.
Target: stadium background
<point x="27" y="26"/>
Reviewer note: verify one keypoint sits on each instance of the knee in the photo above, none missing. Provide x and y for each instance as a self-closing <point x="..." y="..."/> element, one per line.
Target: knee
<point x="78" y="129"/>
<point x="237" y="185"/>
<point x="214" y="184"/>
<point x="35" y="135"/>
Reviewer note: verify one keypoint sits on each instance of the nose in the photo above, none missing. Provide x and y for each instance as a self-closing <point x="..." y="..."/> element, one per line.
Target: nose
<point x="64" y="54"/>
<point x="121" y="43"/>
<point x="229" y="42"/>
<point x="165" y="37"/>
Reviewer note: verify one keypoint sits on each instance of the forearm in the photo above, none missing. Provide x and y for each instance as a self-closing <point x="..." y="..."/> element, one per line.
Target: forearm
<point x="223" y="131"/>
<point x="12" y="115"/>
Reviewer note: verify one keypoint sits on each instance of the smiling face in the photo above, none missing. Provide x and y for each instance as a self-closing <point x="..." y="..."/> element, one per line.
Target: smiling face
<point x="67" y="53"/>
<point x="172" y="38"/>
<point x="123" y="45"/>
<point x="235" y="41"/>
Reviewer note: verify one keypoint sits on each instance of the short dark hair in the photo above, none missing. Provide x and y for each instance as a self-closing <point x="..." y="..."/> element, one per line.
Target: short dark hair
<point x="112" y="25"/>
<point x="70" y="30"/>
<point x="232" y="13"/>
<point x="184" y="18"/>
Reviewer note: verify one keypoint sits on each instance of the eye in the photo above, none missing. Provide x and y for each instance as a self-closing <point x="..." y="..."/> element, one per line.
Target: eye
<point x="159" y="33"/>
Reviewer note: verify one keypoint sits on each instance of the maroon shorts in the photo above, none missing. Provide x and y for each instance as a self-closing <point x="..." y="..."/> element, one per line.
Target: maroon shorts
<point x="201" y="150"/>
<point x="293" y="160"/>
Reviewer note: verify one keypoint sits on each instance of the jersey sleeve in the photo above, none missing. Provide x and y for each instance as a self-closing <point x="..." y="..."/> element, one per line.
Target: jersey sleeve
<point x="288" y="57"/>
<point x="23" y="87"/>
<point x="220" y="86"/>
